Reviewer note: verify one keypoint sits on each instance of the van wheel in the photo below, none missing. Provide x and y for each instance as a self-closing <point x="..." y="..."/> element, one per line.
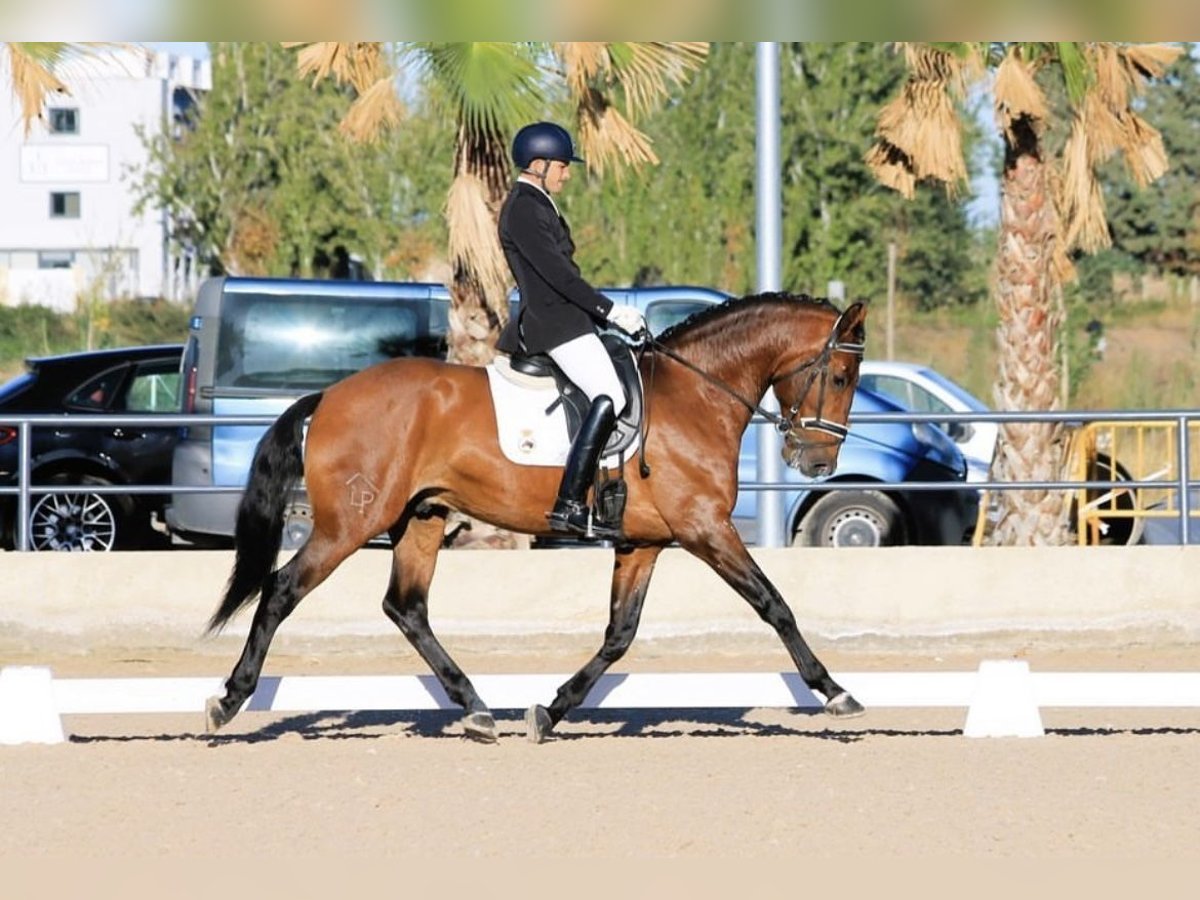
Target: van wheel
<point x="852" y="519"/>
<point x="79" y="521"/>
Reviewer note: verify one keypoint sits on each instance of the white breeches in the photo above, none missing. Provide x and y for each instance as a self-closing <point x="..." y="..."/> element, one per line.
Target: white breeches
<point x="585" y="361"/>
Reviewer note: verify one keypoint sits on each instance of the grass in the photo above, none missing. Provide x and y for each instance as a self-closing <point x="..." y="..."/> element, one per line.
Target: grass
<point x="1150" y="359"/>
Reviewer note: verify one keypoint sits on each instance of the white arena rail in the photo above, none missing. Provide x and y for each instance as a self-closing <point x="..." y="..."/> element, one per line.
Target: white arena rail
<point x="1002" y="698"/>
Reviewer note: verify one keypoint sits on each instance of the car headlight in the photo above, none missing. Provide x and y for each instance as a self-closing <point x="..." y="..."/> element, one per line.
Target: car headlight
<point x="942" y="450"/>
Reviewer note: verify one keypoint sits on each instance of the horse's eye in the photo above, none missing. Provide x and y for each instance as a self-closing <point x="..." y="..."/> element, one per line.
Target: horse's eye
<point x="840" y="382"/>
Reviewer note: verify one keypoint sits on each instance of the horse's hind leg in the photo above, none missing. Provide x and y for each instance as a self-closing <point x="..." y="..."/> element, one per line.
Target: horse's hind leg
<point x="284" y="590"/>
<point x="406" y="604"/>
<point x="724" y="551"/>
<point x="631" y="577"/>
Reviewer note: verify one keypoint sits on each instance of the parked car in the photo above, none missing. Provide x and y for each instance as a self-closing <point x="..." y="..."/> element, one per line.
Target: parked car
<point x="923" y="389"/>
<point x="129" y="380"/>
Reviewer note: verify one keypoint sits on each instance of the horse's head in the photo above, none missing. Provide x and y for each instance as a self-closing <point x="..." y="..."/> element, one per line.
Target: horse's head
<point x="817" y="394"/>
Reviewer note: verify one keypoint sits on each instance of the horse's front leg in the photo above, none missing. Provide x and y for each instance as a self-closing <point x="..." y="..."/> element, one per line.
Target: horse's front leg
<point x="406" y="604"/>
<point x="724" y="551"/>
<point x="632" y="569"/>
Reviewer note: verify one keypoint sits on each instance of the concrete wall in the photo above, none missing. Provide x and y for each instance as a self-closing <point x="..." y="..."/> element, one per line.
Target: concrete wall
<point x="164" y="599"/>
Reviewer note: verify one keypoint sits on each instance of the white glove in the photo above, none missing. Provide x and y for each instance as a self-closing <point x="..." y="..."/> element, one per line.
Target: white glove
<point x="627" y="318"/>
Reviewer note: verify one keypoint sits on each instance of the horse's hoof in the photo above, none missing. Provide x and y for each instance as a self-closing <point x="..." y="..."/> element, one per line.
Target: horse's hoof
<point x="537" y="724"/>
<point x="843" y="706"/>
<point x="214" y="715"/>
<point x="480" y="726"/>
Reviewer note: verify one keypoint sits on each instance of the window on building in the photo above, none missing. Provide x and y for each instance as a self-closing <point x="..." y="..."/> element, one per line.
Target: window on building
<point x="63" y="120"/>
<point x="56" y="259"/>
<point x="64" y="205"/>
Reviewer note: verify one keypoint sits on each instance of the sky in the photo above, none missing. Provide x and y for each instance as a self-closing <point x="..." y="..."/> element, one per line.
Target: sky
<point x="181" y="48"/>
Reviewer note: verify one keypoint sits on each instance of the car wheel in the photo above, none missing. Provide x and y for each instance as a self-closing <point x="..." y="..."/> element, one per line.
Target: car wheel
<point x="79" y="521"/>
<point x="852" y="519"/>
<point x="1115" y="530"/>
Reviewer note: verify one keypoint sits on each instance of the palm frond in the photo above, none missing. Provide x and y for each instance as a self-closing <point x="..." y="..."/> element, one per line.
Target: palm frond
<point x="1016" y="94"/>
<point x="642" y="74"/>
<point x="892" y="168"/>
<point x="609" y="140"/>
<point x="920" y="129"/>
<point x="1150" y="60"/>
<point x="645" y="72"/>
<point x="1144" y="152"/>
<point x="367" y="69"/>
<point x="374" y="111"/>
<point x="1076" y="69"/>
<point x="1081" y="202"/>
<point x="491" y="86"/>
<point x="474" y="241"/>
<point x="1112" y="82"/>
<point x="32" y="67"/>
<point x="359" y="64"/>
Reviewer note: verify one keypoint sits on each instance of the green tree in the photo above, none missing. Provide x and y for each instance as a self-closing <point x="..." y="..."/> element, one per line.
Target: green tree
<point x="1159" y="227"/>
<point x="1051" y="205"/>
<point x="257" y="181"/>
<point x="691" y="219"/>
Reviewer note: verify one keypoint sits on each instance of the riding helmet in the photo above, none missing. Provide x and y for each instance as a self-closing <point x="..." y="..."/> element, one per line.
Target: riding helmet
<point x="542" y="140"/>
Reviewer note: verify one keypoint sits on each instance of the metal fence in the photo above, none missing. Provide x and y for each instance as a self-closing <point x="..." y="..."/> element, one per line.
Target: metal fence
<point x="1174" y="478"/>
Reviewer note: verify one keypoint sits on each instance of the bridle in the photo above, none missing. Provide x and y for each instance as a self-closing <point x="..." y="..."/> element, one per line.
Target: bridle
<point x="818" y="365"/>
<point x="814" y="367"/>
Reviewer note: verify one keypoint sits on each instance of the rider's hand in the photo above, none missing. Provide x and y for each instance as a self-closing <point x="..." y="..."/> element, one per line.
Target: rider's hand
<point x="627" y="318"/>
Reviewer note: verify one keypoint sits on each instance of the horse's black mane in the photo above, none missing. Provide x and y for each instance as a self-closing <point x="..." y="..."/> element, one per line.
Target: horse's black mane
<point x="735" y="304"/>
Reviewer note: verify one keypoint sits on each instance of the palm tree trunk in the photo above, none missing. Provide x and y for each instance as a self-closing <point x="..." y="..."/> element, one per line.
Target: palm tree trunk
<point x="478" y="306"/>
<point x="1027" y="286"/>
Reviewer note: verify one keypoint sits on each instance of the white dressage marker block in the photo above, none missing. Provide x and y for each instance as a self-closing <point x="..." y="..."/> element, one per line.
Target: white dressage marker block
<point x="1003" y="703"/>
<point x="28" y="714"/>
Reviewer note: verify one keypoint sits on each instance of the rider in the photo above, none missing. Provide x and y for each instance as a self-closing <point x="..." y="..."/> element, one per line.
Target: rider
<point x="560" y="313"/>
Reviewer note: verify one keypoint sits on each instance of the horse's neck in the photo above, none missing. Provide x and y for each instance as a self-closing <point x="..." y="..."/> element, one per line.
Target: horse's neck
<point x="742" y="378"/>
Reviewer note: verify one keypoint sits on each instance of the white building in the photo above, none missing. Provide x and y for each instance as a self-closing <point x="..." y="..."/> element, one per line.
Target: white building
<point x="67" y="223"/>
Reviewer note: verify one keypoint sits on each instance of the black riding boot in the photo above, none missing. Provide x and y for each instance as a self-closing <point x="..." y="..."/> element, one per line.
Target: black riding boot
<point x="571" y="511"/>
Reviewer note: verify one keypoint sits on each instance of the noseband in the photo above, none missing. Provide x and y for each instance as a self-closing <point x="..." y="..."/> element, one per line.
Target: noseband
<point x="818" y="365"/>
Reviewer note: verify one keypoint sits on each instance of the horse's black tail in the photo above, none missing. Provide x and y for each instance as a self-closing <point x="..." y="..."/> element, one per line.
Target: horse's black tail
<point x="277" y="466"/>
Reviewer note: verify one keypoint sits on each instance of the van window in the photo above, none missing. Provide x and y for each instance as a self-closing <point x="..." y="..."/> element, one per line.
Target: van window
<point x="662" y="314"/>
<point x="307" y="343"/>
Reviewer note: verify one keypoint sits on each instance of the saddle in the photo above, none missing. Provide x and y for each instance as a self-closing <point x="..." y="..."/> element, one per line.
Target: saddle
<point x="575" y="402"/>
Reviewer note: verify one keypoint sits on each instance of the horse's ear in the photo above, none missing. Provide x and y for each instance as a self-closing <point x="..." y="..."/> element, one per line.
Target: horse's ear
<point x="853" y="322"/>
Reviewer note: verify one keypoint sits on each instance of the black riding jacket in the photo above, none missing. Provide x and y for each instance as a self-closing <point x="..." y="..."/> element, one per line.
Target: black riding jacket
<point x="557" y="304"/>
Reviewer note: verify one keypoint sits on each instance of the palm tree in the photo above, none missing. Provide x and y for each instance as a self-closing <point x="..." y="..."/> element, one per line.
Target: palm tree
<point x="1051" y="206"/>
<point x="489" y="89"/>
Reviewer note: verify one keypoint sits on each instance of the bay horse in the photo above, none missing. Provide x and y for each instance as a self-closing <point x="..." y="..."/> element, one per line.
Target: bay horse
<point x="422" y="434"/>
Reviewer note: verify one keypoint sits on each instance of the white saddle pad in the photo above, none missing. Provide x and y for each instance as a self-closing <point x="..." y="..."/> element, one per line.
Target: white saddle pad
<point x="528" y="435"/>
